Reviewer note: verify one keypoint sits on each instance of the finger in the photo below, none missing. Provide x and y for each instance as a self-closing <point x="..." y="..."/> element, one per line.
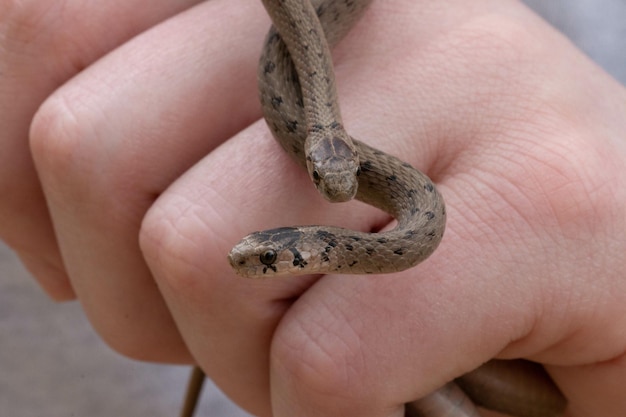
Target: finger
<point x="43" y="45"/>
<point x="595" y="389"/>
<point x="116" y="136"/>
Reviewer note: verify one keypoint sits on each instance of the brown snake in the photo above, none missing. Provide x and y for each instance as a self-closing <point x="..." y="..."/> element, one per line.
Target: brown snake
<point x="299" y="101"/>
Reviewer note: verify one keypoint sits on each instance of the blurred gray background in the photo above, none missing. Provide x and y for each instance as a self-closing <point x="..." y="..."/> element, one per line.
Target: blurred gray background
<point x="52" y="364"/>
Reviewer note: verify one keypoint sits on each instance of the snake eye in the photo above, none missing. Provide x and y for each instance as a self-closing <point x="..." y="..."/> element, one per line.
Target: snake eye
<point x="358" y="171"/>
<point x="316" y="175"/>
<point x="268" y="257"/>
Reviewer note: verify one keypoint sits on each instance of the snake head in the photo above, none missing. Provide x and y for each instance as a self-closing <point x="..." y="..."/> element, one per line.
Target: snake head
<point x="333" y="164"/>
<point x="269" y="253"/>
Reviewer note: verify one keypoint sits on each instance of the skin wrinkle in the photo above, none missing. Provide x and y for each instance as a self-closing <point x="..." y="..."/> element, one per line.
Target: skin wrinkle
<point x="314" y="360"/>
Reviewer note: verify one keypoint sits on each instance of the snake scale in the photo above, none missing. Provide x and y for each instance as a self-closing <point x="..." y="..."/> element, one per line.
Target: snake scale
<point x="299" y="101"/>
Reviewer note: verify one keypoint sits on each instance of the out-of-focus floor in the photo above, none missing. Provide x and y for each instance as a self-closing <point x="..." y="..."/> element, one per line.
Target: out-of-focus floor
<point x="52" y="364"/>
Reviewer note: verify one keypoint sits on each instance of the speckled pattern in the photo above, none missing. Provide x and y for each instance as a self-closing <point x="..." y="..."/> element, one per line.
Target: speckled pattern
<point x="54" y="365"/>
<point x="299" y="100"/>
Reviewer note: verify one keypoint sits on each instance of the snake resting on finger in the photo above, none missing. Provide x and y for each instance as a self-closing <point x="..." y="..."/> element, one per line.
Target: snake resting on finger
<point x="299" y="102"/>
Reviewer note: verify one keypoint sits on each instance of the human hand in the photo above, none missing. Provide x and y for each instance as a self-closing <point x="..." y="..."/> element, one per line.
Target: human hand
<point x="524" y="136"/>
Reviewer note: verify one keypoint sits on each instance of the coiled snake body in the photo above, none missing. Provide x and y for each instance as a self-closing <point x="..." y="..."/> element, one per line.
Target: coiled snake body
<point x="298" y="97"/>
<point x="307" y="123"/>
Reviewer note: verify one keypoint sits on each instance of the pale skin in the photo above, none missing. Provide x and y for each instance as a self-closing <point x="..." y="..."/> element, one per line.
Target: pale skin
<point x="524" y="136"/>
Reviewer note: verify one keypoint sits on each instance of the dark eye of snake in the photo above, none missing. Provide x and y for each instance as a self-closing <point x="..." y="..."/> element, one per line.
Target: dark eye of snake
<point x="268" y="257"/>
<point x="316" y="175"/>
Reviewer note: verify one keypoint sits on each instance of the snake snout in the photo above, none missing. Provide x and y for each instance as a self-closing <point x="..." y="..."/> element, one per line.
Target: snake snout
<point x="338" y="187"/>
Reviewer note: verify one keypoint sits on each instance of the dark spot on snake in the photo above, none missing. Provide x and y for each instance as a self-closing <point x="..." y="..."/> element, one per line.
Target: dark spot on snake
<point x="272" y="267"/>
<point x="409" y="234"/>
<point x="326" y="236"/>
<point x="351" y="264"/>
<point x="355" y="238"/>
<point x="269" y="67"/>
<point x="316" y="176"/>
<point x="292" y="125"/>
<point x="431" y="234"/>
<point x="300" y="102"/>
<point x="399" y="252"/>
<point x="366" y="166"/>
<point x="316" y="128"/>
<point x="429" y="187"/>
<point x="325" y="257"/>
<point x="406" y="165"/>
<point x="414" y="211"/>
<point x="349" y="247"/>
<point x="382" y="240"/>
<point x="429" y="215"/>
<point x="277" y="101"/>
<point x="335" y="125"/>
<point x="411" y="192"/>
<point x="297" y="258"/>
<point x="369" y="251"/>
<point x="320" y="10"/>
<point x="377" y="152"/>
<point x="392" y="178"/>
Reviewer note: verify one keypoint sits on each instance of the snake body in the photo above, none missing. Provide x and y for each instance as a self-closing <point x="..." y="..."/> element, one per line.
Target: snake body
<point x="298" y="97"/>
<point x="304" y="117"/>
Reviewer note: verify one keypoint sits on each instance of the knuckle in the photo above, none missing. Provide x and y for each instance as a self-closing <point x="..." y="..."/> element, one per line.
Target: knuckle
<point x="55" y="136"/>
<point x="169" y="240"/>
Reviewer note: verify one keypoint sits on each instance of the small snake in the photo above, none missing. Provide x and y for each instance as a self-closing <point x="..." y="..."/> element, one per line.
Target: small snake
<point x="299" y="101"/>
<point x="304" y="116"/>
